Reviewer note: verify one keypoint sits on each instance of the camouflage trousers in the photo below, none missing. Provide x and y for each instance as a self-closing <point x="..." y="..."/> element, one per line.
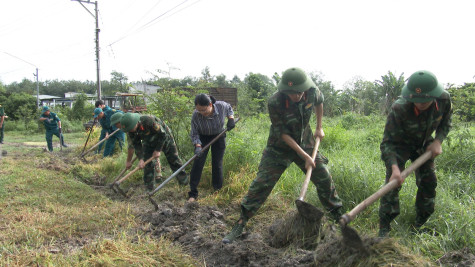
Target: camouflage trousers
<point x="273" y="164"/>
<point x="171" y="153"/>
<point x="426" y="182"/>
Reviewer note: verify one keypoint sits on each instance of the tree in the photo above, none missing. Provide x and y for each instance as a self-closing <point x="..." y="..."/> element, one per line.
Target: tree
<point x="390" y="88"/>
<point x="463" y="101"/>
<point x="259" y="87"/>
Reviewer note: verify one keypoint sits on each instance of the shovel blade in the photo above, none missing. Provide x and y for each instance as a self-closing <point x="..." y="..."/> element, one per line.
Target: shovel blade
<point x="352" y="239"/>
<point x="308" y="211"/>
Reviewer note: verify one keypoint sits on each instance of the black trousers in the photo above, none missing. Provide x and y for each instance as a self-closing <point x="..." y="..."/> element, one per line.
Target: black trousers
<point x="217" y="154"/>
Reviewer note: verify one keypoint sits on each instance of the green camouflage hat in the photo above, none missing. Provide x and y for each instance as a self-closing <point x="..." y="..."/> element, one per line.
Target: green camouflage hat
<point x="422" y="87"/>
<point x="128" y="121"/>
<point x="116" y="118"/>
<point x="294" y="80"/>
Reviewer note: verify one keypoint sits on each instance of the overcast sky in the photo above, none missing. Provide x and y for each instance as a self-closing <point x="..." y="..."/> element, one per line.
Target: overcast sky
<point x="340" y="39"/>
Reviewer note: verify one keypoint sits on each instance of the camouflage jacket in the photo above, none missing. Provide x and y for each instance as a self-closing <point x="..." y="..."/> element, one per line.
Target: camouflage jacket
<point x="411" y="129"/>
<point x="292" y="119"/>
<point x="151" y="133"/>
<point x="52" y="123"/>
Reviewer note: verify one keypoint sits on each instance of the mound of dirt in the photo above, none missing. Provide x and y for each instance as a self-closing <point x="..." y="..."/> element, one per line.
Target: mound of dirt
<point x="460" y="258"/>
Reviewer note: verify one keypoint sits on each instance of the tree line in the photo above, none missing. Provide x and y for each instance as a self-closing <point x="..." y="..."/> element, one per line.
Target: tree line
<point x="357" y="96"/>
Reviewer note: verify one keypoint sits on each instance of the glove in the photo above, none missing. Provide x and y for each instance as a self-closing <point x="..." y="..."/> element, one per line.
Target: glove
<point x="198" y="151"/>
<point x="48" y="120"/>
<point x="230" y="124"/>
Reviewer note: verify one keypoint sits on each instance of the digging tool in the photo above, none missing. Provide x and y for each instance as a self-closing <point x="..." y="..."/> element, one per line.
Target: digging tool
<point x="305" y="209"/>
<point x="60" y="140"/>
<point x="89" y="135"/>
<point x="98" y="143"/>
<point x="117" y="183"/>
<point x="350" y="236"/>
<point x="183" y="167"/>
<point x="111" y="186"/>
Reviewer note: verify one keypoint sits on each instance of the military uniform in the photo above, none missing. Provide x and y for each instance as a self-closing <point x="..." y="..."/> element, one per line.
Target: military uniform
<point x="103" y="130"/>
<point x="292" y="119"/>
<point x="108" y="128"/>
<point x="153" y="134"/>
<point x="51" y="126"/>
<point x="2" y="128"/>
<point x="407" y="134"/>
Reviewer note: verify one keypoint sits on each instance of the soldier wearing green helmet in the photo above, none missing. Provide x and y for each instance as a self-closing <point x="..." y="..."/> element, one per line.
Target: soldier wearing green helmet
<point x="52" y="125"/>
<point x="290" y="140"/>
<point x="115" y="121"/>
<point x="149" y="136"/>
<point x="423" y="108"/>
<point x="104" y="117"/>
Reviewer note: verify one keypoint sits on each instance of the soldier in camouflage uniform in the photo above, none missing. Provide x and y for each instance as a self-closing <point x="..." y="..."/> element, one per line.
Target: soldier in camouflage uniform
<point x="150" y="136"/>
<point x="424" y="107"/>
<point x="115" y="121"/>
<point x="290" y="140"/>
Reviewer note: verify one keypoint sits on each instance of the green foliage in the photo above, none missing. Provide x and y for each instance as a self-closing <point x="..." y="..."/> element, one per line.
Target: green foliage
<point x="81" y="109"/>
<point x="463" y="101"/>
<point x="390" y="87"/>
<point x="20" y="106"/>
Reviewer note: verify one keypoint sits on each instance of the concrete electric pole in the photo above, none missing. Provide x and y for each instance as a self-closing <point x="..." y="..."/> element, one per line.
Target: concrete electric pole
<point x="98" y="62"/>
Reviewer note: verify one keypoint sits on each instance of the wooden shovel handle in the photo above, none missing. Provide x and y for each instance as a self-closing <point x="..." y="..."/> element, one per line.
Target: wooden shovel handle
<point x="133" y="171"/>
<point x="386" y="188"/>
<point x="98" y="143"/>
<point x="123" y="171"/>
<point x="303" y="191"/>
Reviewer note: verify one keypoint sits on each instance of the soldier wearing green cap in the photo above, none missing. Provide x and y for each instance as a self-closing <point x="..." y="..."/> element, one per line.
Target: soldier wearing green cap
<point x="290" y="140"/>
<point x="52" y="125"/>
<point x="2" y="124"/>
<point x="150" y="136"/>
<point x="423" y="108"/>
<point x="115" y="121"/>
<point x="104" y="108"/>
<point x="104" y="119"/>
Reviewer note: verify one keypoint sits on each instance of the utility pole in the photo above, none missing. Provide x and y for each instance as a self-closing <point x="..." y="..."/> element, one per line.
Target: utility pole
<point x="37" y="89"/>
<point x="98" y="62"/>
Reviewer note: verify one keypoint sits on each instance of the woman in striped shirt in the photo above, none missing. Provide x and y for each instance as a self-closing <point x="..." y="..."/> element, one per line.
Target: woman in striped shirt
<point x="207" y="122"/>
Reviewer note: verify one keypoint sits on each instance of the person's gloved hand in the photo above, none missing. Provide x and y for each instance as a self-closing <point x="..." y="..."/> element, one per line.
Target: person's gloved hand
<point x="230" y="125"/>
<point x="198" y="151"/>
<point x="48" y="120"/>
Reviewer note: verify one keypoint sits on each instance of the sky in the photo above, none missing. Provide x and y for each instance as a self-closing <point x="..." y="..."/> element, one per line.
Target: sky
<point x="340" y="40"/>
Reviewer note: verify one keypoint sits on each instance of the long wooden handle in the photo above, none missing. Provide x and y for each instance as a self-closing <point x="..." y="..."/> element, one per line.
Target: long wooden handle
<point x="133" y="171"/>
<point x="98" y="143"/>
<point x="123" y="171"/>
<point x="386" y="188"/>
<point x="303" y="191"/>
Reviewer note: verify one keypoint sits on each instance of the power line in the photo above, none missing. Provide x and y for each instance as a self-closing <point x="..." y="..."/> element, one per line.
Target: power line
<point x="20" y="59"/>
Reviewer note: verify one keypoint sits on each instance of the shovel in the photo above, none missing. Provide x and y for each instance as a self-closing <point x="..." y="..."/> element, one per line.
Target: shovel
<point x="350" y="236"/>
<point x="183" y="167"/>
<point x="89" y="135"/>
<point x="98" y="143"/>
<point x="117" y="183"/>
<point x="305" y="209"/>
<point x="111" y="186"/>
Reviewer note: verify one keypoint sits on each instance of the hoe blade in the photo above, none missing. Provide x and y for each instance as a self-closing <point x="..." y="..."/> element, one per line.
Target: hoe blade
<point x="352" y="239"/>
<point x="308" y="211"/>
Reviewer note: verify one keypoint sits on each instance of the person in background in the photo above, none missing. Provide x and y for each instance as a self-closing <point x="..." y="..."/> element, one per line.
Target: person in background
<point x="104" y="120"/>
<point x="150" y="136"/>
<point x="424" y="107"/>
<point x="207" y="122"/>
<point x="100" y="104"/>
<point x="290" y="140"/>
<point x="52" y="125"/>
<point x="2" y="123"/>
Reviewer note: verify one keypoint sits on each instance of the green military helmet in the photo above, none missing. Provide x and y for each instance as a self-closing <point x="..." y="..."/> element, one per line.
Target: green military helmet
<point x="422" y="87"/>
<point x="128" y="121"/>
<point x="45" y="108"/>
<point x="116" y="118"/>
<point x="97" y="111"/>
<point x="294" y="80"/>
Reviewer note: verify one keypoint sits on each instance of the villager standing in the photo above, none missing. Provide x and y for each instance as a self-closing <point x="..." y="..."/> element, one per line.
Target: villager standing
<point x="207" y="122"/>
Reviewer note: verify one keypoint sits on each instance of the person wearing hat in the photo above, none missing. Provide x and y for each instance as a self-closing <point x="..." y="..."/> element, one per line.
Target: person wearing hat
<point x="115" y="121"/>
<point x="104" y="120"/>
<point x="424" y="107"/>
<point x="2" y="124"/>
<point x="207" y="122"/>
<point x="52" y="125"/>
<point x="150" y="136"/>
<point x="290" y="140"/>
<point x="100" y="104"/>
